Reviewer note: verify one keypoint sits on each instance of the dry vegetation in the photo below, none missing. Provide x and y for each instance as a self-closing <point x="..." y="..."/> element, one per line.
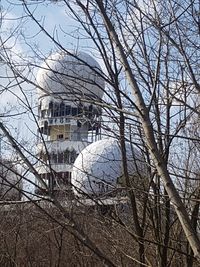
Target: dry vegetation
<point x="32" y="237"/>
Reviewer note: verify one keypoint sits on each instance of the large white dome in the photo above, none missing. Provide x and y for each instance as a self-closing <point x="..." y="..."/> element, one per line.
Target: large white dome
<point x="70" y="76"/>
<point x="98" y="167"/>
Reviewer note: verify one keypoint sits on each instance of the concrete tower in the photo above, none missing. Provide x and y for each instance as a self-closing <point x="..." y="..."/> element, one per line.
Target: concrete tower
<point x="69" y="86"/>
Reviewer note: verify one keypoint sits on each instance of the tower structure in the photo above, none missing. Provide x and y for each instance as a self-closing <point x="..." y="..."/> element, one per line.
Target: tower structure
<point x="70" y="85"/>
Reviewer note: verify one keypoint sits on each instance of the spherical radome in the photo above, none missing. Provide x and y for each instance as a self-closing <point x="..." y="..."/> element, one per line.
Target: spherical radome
<point x="70" y="77"/>
<point x="99" y="167"/>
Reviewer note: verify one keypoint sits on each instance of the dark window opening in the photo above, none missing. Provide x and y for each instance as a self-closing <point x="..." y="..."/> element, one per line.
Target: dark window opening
<point x="74" y="111"/>
<point x="60" y="157"/>
<point x="62" y="109"/>
<point x="60" y="137"/>
<point x="64" y="178"/>
<point x="67" y="110"/>
<point x="51" y="105"/>
<point x="46" y="128"/>
<point x="80" y="109"/>
<point x="67" y="157"/>
<point x="43" y="112"/>
<point x="54" y="158"/>
<point x="57" y="110"/>
<point x="73" y="156"/>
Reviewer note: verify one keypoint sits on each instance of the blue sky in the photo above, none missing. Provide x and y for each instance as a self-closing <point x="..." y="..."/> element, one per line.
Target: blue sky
<point x="53" y="17"/>
<point x="27" y="40"/>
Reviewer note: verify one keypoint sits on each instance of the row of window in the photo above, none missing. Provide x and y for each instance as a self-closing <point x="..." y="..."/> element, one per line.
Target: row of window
<point x="61" y="110"/>
<point x="58" y="178"/>
<point x="67" y="157"/>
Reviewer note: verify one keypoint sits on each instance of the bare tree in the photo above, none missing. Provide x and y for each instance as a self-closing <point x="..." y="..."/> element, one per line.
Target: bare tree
<point x="149" y="52"/>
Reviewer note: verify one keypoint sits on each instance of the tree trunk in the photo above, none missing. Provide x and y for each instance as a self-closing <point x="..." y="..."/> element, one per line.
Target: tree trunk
<point x="160" y="163"/>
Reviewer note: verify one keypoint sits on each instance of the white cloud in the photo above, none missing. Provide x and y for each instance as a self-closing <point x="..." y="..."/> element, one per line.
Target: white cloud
<point x="10" y="42"/>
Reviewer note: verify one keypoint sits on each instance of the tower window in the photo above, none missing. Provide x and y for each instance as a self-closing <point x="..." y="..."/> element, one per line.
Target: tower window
<point x="60" y="158"/>
<point x="62" y="109"/>
<point x="51" y="105"/>
<point x="60" y="136"/>
<point x="80" y="109"/>
<point x="74" y="111"/>
<point x="56" y="110"/>
<point x="54" y="158"/>
<point x="43" y="112"/>
<point x="67" y="110"/>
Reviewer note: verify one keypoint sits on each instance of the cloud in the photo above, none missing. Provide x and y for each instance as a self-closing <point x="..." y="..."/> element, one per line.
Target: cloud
<point x="10" y="37"/>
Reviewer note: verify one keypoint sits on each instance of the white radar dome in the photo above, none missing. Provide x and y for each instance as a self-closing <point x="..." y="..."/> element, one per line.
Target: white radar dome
<point x="98" y="168"/>
<point x="70" y="76"/>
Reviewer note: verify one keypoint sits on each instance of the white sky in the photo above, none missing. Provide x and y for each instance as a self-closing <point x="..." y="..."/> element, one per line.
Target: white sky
<point x="21" y="48"/>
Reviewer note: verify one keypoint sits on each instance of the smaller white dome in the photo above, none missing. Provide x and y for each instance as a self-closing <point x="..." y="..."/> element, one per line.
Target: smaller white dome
<point x="70" y="77"/>
<point x="99" y="166"/>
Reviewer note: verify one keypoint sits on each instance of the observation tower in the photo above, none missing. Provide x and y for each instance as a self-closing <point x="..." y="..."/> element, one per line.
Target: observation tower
<point x="70" y="86"/>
